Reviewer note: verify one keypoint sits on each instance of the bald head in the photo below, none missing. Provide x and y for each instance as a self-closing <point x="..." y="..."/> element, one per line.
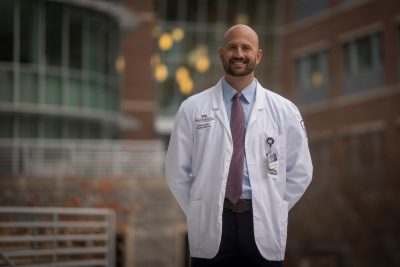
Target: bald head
<point x="243" y="31"/>
<point x="239" y="55"/>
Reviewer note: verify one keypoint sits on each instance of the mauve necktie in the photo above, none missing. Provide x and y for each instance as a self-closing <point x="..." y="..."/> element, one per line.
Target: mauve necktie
<point x="235" y="175"/>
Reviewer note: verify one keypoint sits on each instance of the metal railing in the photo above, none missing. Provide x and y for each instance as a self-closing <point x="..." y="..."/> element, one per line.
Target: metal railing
<point x="33" y="237"/>
<point x="55" y="158"/>
<point x="6" y="260"/>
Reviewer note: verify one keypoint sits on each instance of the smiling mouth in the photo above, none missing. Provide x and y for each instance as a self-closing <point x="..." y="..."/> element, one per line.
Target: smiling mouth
<point x="238" y="62"/>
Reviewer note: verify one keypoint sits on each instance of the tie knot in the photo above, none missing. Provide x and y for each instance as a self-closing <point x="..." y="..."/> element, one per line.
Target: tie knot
<point x="238" y="95"/>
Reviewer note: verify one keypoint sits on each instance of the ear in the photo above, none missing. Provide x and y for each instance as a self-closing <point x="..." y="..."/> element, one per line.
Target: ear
<point x="221" y="54"/>
<point x="258" y="56"/>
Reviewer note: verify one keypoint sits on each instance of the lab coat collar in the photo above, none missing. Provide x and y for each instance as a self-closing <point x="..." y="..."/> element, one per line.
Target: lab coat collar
<point x="249" y="92"/>
<point x="218" y="97"/>
<point x="260" y="103"/>
<point x="219" y="108"/>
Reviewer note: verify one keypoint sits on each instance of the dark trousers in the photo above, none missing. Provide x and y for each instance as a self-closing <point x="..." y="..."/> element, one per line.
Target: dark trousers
<point x="238" y="247"/>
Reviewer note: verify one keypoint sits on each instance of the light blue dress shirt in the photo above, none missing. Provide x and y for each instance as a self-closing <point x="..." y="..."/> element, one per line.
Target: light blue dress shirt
<point x="249" y="95"/>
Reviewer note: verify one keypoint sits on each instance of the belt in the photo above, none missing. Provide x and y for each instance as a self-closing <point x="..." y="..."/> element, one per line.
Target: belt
<point x="241" y="206"/>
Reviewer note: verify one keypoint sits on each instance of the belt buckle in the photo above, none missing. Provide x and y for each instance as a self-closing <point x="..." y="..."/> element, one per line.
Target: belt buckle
<point x="236" y="209"/>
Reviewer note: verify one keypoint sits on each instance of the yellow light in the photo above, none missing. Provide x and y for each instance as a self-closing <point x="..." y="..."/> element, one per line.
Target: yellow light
<point x="178" y="34"/>
<point x="202" y="64"/>
<point x="120" y="64"/>
<point x="155" y="60"/>
<point x="195" y="54"/>
<point x="181" y="74"/>
<point x="161" y="72"/>
<point x="165" y="42"/>
<point x="316" y="79"/>
<point x="186" y="86"/>
<point x="242" y="19"/>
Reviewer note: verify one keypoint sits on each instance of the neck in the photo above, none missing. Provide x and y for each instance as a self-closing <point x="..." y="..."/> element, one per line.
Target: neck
<point x="239" y="82"/>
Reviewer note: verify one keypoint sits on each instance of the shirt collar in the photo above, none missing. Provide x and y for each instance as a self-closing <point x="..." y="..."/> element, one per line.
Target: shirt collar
<point x="248" y="92"/>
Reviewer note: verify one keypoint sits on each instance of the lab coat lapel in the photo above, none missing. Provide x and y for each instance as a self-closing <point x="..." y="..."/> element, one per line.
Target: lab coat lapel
<point x="260" y="103"/>
<point x="219" y="107"/>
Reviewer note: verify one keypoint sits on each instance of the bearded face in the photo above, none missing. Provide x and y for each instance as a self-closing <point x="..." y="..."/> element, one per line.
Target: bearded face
<point x="240" y="53"/>
<point x="239" y="66"/>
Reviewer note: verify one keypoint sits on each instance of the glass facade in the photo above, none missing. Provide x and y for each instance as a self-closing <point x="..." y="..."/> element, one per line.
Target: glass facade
<point x="6" y="30"/>
<point x="187" y="37"/>
<point x="57" y="64"/>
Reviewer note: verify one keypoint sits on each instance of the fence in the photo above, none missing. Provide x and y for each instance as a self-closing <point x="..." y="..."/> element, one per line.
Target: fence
<point x="33" y="237"/>
<point x="80" y="157"/>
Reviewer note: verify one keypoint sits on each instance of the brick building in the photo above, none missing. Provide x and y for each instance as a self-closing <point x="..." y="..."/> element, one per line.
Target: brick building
<point x="340" y="62"/>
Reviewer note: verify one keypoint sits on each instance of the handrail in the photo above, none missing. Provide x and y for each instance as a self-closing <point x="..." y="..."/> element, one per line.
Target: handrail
<point x="57" y="236"/>
<point x="81" y="158"/>
<point x="6" y="259"/>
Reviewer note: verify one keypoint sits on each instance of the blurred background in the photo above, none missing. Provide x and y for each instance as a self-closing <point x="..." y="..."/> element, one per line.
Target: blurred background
<point x="88" y="94"/>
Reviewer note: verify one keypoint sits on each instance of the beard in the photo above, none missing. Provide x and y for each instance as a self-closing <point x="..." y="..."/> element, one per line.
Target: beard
<point x="229" y="66"/>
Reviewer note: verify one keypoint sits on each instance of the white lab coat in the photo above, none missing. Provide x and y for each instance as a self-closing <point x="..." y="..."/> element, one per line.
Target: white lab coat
<point x="198" y="159"/>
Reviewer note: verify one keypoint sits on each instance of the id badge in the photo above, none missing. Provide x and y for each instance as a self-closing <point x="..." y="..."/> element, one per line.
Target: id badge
<point x="272" y="163"/>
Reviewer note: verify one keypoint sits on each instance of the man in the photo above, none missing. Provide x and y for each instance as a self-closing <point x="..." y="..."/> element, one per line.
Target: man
<point x="237" y="161"/>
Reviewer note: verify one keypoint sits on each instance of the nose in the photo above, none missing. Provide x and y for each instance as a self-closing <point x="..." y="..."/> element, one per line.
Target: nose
<point x="239" y="52"/>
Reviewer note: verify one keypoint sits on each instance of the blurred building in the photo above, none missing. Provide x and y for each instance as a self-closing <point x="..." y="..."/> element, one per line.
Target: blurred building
<point x="72" y="128"/>
<point x="186" y="41"/>
<point x="341" y="64"/>
<point x="60" y="70"/>
<point x="139" y="101"/>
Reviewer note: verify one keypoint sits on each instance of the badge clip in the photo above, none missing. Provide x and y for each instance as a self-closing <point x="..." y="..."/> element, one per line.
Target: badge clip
<point x="270" y="141"/>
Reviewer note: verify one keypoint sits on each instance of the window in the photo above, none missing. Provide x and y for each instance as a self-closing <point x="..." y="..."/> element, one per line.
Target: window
<point x="172" y="10"/>
<point x="101" y="97"/>
<point x="312" y="77"/>
<point x="52" y="127"/>
<point x="109" y="51"/>
<point x="75" y="40"/>
<point x="6" y="30"/>
<point x="6" y="82"/>
<point x="307" y="8"/>
<point x="94" y="46"/>
<point x="54" y="31"/>
<point x="92" y="95"/>
<point x="53" y="93"/>
<point x="6" y="126"/>
<point x="28" y="127"/>
<point x="362" y="59"/>
<point x="75" y="129"/>
<point x="192" y="11"/>
<point x="75" y="93"/>
<point x="29" y="92"/>
<point x="29" y="32"/>
<point x="93" y="131"/>
<point x="78" y="46"/>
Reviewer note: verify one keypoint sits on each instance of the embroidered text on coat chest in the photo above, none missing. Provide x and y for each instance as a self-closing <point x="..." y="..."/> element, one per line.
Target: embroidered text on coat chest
<point x="203" y="122"/>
